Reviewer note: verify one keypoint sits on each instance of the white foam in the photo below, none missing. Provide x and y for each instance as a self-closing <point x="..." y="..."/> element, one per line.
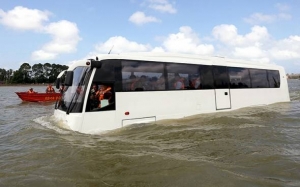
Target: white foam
<point x="50" y="123"/>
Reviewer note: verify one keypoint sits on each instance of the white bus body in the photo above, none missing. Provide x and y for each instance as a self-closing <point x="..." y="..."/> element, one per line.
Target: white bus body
<point x="226" y="84"/>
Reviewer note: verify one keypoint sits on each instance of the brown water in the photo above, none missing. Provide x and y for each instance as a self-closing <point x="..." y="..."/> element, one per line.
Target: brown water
<point x="248" y="147"/>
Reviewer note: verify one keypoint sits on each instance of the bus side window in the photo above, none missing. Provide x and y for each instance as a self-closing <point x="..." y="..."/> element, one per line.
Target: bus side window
<point x="239" y="77"/>
<point x="180" y="76"/>
<point x="259" y="78"/>
<point x="141" y="76"/>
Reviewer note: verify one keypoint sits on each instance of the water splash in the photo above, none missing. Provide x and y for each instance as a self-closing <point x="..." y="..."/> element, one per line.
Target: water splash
<point x="50" y="123"/>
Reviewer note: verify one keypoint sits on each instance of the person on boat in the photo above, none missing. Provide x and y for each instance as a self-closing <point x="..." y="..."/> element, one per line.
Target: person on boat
<point x="31" y="91"/>
<point x="49" y="89"/>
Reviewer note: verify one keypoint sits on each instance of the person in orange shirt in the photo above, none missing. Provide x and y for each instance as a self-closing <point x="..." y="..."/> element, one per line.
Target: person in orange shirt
<point x="49" y="89"/>
<point x="103" y="93"/>
<point x="31" y="91"/>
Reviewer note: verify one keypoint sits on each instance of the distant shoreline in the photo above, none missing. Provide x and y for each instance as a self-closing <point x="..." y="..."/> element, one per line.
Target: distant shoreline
<point x="23" y="84"/>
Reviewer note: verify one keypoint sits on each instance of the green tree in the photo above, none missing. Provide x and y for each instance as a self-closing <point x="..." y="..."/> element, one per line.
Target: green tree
<point x="38" y="73"/>
<point x="56" y="69"/>
<point x="2" y="75"/>
<point x="25" y="69"/>
<point x="47" y="70"/>
<point x="9" y="76"/>
<point x="18" y="77"/>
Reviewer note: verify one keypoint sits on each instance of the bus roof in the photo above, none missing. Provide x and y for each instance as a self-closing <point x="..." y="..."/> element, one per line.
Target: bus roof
<point x="180" y="58"/>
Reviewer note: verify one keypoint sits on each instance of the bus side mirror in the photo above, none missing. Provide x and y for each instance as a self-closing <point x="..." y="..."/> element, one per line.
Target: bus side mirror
<point x="69" y="78"/>
<point x="57" y="84"/>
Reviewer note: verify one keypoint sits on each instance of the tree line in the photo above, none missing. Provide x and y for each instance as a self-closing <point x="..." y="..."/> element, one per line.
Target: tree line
<point x="293" y="76"/>
<point x="38" y="73"/>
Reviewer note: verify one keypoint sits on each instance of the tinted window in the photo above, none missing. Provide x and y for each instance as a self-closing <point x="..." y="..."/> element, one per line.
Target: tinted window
<point x="207" y="79"/>
<point x="274" y="78"/>
<point x="239" y="77"/>
<point x="142" y="76"/>
<point x="104" y="78"/>
<point x="183" y="76"/>
<point x="220" y="77"/>
<point x="259" y="78"/>
<point x="106" y="72"/>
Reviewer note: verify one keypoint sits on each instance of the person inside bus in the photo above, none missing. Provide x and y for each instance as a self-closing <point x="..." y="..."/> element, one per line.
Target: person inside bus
<point x="196" y="82"/>
<point x="103" y="89"/>
<point x="49" y="89"/>
<point x="128" y="82"/>
<point x="160" y="84"/>
<point x="139" y="84"/>
<point x="94" y="101"/>
<point x="62" y="88"/>
<point x="153" y="83"/>
<point x="31" y="91"/>
<point x="108" y="94"/>
<point x="104" y="93"/>
<point x="179" y="82"/>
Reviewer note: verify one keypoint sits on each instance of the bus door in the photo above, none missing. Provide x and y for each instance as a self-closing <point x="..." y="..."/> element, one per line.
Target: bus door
<point x="222" y="91"/>
<point x="222" y="99"/>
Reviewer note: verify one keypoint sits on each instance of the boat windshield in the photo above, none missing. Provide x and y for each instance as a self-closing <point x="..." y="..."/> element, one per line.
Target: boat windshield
<point x="73" y="96"/>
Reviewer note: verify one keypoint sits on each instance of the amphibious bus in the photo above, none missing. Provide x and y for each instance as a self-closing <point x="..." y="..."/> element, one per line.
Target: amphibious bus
<point x="147" y="87"/>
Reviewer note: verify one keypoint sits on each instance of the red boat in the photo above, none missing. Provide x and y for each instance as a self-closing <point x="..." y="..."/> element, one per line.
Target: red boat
<point x="38" y="97"/>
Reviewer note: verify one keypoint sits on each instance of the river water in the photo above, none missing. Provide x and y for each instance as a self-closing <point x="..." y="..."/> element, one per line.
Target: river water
<point x="248" y="147"/>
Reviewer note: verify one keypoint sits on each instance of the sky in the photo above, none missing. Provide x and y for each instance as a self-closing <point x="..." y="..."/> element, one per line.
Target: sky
<point x="63" y="32"/>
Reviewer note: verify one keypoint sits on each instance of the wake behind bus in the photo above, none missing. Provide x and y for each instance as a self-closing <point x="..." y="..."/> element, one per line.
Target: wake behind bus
<point x="116" y="90"/>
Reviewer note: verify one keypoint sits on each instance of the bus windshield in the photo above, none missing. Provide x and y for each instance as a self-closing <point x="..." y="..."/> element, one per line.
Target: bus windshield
<point x="73" y="96"/>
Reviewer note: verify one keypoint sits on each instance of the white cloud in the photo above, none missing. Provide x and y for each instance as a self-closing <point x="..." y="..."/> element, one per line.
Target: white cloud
<point x="282" y="7"/>
<point x="250" y="52"/>
<point x="119" y="44"/>
<point x="256" y="45"/>
<point x="228" y="35"/>
<point x="258" y="18"/>
<point x="162" y="6"/>
<point x="22" y="18"/>
<point x="140" y="18"/>
<point x="158" y="50"/>
<point x="43" y="55"/>
<point x="249" y="46"/>
<point x="286" y="49"/>
<point x="186" y="41"/>
<point x="65" y="36"/>
<point x="225" y="33"/>
<point x="283" y="16"/>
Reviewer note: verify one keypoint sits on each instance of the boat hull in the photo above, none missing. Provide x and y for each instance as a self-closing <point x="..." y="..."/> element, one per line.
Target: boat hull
<point x="38" y="97"/>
